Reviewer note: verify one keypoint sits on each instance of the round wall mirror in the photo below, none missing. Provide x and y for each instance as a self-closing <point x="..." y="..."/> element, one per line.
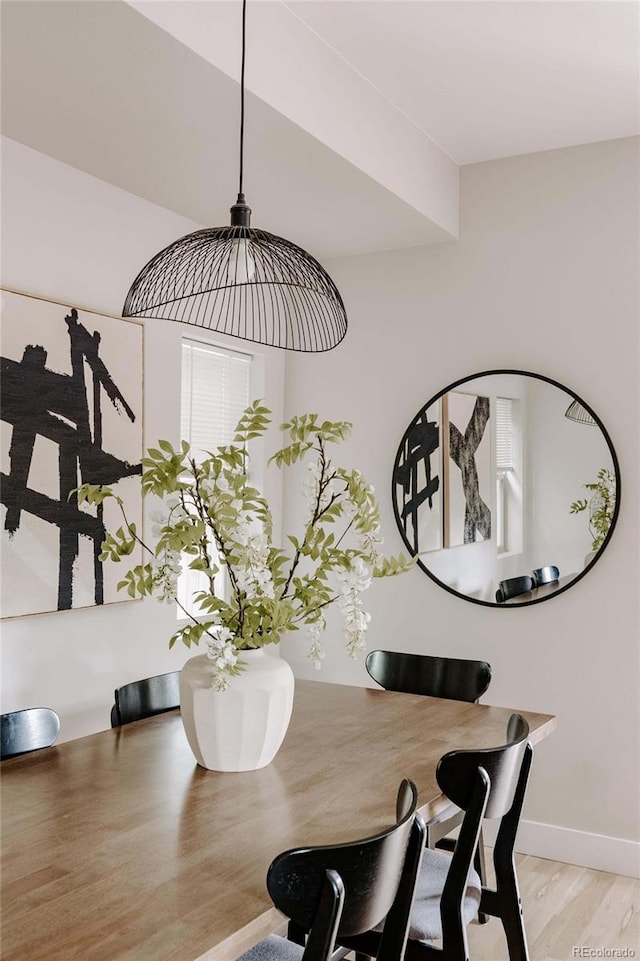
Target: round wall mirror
<point x="507" y="488"/>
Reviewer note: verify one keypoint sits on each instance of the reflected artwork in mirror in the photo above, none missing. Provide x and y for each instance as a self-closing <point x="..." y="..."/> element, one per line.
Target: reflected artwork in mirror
<point x="507" y="488"/>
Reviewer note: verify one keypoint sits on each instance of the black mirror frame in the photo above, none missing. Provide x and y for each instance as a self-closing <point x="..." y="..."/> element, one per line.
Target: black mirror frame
<point x="616" y="467"/>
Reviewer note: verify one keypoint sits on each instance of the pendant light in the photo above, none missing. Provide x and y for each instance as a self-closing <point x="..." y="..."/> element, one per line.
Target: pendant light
<point x="242" y="281"/>
<point x="575" y="411"/>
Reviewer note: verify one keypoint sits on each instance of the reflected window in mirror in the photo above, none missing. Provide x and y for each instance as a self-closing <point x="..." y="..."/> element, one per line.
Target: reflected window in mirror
<point x="508" y="461"/>
<point x="493" y="481"/>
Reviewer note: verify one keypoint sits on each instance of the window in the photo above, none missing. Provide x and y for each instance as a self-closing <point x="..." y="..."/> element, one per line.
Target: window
<point x="215" y="391"/>
<point x="504" y="469"/>
<point x="216" y="386"/>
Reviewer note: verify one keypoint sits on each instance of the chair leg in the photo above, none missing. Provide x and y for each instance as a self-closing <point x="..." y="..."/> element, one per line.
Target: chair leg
<point x="508" y="893"/>
<point x="480" y="865"/>
<point x="296" y="934"/>
<point x="510" y="905"/>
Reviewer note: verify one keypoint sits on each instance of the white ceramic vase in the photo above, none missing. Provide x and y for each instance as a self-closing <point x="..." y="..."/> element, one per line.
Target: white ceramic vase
<point x="242" y="728"/>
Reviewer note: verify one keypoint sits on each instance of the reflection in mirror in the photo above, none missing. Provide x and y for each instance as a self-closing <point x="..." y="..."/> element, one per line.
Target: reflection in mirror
<point x="506" y="486"/>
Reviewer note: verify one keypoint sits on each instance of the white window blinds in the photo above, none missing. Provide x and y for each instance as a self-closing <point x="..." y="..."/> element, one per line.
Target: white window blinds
<point x="504" y="434"/>
<point x="215" y="392"/>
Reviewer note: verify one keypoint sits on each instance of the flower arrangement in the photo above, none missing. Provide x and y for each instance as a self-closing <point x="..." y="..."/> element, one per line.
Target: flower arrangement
<point x="214" y="519"/>
<point x="601" y="506"/>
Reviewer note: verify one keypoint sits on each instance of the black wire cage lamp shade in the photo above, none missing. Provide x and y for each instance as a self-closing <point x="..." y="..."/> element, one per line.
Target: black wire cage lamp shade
<point x="575" y="411"/>
<point x="242" y="281"/>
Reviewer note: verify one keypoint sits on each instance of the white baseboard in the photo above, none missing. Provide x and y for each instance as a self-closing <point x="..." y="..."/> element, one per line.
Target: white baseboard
<point x="598" y="851"/>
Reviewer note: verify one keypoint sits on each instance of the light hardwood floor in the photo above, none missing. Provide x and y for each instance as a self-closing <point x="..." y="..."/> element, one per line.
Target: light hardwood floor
<point x="565" y="907"/>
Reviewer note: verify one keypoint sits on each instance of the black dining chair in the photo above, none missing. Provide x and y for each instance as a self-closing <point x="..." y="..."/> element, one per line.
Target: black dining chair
<point x="27" y="730"/>
<point x="335" y="892"/>
<point x="513" y="586"/>
<point x="450" y="677"/>
<point x="486" y="783"/>
<point x="152" y="695"/>
<point x="545" y="575"/>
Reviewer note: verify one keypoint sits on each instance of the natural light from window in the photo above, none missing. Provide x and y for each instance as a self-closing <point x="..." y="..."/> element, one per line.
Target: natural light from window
<point x="504" y="469"/>
<point x="216" y="386"/>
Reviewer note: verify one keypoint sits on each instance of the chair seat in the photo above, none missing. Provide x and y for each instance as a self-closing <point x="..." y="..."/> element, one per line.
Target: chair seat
<point x="426" y="924"/>
<point x="444" y="822"/>
<point x="273" y="948"/>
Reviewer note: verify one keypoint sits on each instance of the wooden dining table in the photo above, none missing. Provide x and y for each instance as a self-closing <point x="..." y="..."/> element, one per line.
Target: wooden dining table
<point x="118" y="847"/>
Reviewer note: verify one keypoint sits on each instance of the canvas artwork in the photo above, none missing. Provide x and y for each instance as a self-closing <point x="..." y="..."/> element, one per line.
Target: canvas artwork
<point x="71" y="398"/>
<point x="417" y="483"/>
<point x="468" y="469"/>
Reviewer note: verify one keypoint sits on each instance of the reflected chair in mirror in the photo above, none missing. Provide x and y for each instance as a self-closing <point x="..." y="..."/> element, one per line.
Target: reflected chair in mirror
<point x="514" y="586"/>
<point x="486" y="783"/>
<point x="449" y="677"/>
<point x="145" y="698"/>
<point x="334" y="892"/>
<point x="28" y="730"/>
<point x="545" y="575"/>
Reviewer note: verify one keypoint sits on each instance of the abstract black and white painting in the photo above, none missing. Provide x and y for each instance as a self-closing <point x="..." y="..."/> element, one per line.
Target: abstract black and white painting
<point x="71" y="396"/>
<point x="468" y="473"/>
<point x="417" y="485"/>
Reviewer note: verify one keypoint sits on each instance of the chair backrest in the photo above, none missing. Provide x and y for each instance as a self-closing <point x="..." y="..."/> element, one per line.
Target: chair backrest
<point x="490" y="782"/>
<point x="378" y="874"/>
<point x="28" y="730"/>
<point x="152" y="695"/>
<point x="514" y="586"/>
<point x="545" y="575"/>
<point x="450" y="677"/>
<point x="457" y="772"/>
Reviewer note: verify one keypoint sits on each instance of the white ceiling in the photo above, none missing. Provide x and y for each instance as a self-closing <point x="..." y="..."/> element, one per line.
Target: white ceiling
<point x="357" y="115"/>
<point x="494" y="79"/>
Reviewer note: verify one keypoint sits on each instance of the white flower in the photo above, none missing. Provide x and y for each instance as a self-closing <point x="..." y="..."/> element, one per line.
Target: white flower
<point x="226" y="656"/>
<point x="223" y="654"/>
<point x="314" y="632"/>
<point x="242" y="530"/>
<point x="208" y="488"/>
<point x="158" y="520"/>
<point x="174" y="506"/>
<point x="356" y="620"/>
<point x="372" y="543"/>
<point x="166" y="570"/>
<point x="222" y="484"/>
<point x="356" y="578"/>
<point x="310" y="487"/>
<point x="254" y="577"/>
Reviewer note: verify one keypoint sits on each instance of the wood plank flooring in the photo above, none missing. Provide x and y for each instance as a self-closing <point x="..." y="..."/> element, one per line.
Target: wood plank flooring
<point x="566" y="907"/>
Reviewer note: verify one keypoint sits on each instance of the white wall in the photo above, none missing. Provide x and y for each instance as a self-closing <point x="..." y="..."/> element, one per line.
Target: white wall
<point x="543" y="278"/>
<point x="69" y="237"/>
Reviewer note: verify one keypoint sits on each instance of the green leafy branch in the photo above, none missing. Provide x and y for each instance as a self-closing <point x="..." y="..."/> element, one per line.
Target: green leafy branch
<point x="214" y="520"/>
<point x="601" y="506"/>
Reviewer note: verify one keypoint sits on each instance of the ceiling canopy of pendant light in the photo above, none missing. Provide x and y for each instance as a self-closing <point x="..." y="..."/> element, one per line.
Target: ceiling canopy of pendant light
<point x="242" y="281"/>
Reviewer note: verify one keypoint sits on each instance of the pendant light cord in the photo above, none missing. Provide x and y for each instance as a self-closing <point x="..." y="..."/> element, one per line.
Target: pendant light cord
<point x="244" y="44"/>
<point x="240" y="211"/>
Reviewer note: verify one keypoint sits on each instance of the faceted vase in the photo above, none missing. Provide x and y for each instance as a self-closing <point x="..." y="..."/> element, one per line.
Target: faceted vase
<point x="242" y="728"/>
